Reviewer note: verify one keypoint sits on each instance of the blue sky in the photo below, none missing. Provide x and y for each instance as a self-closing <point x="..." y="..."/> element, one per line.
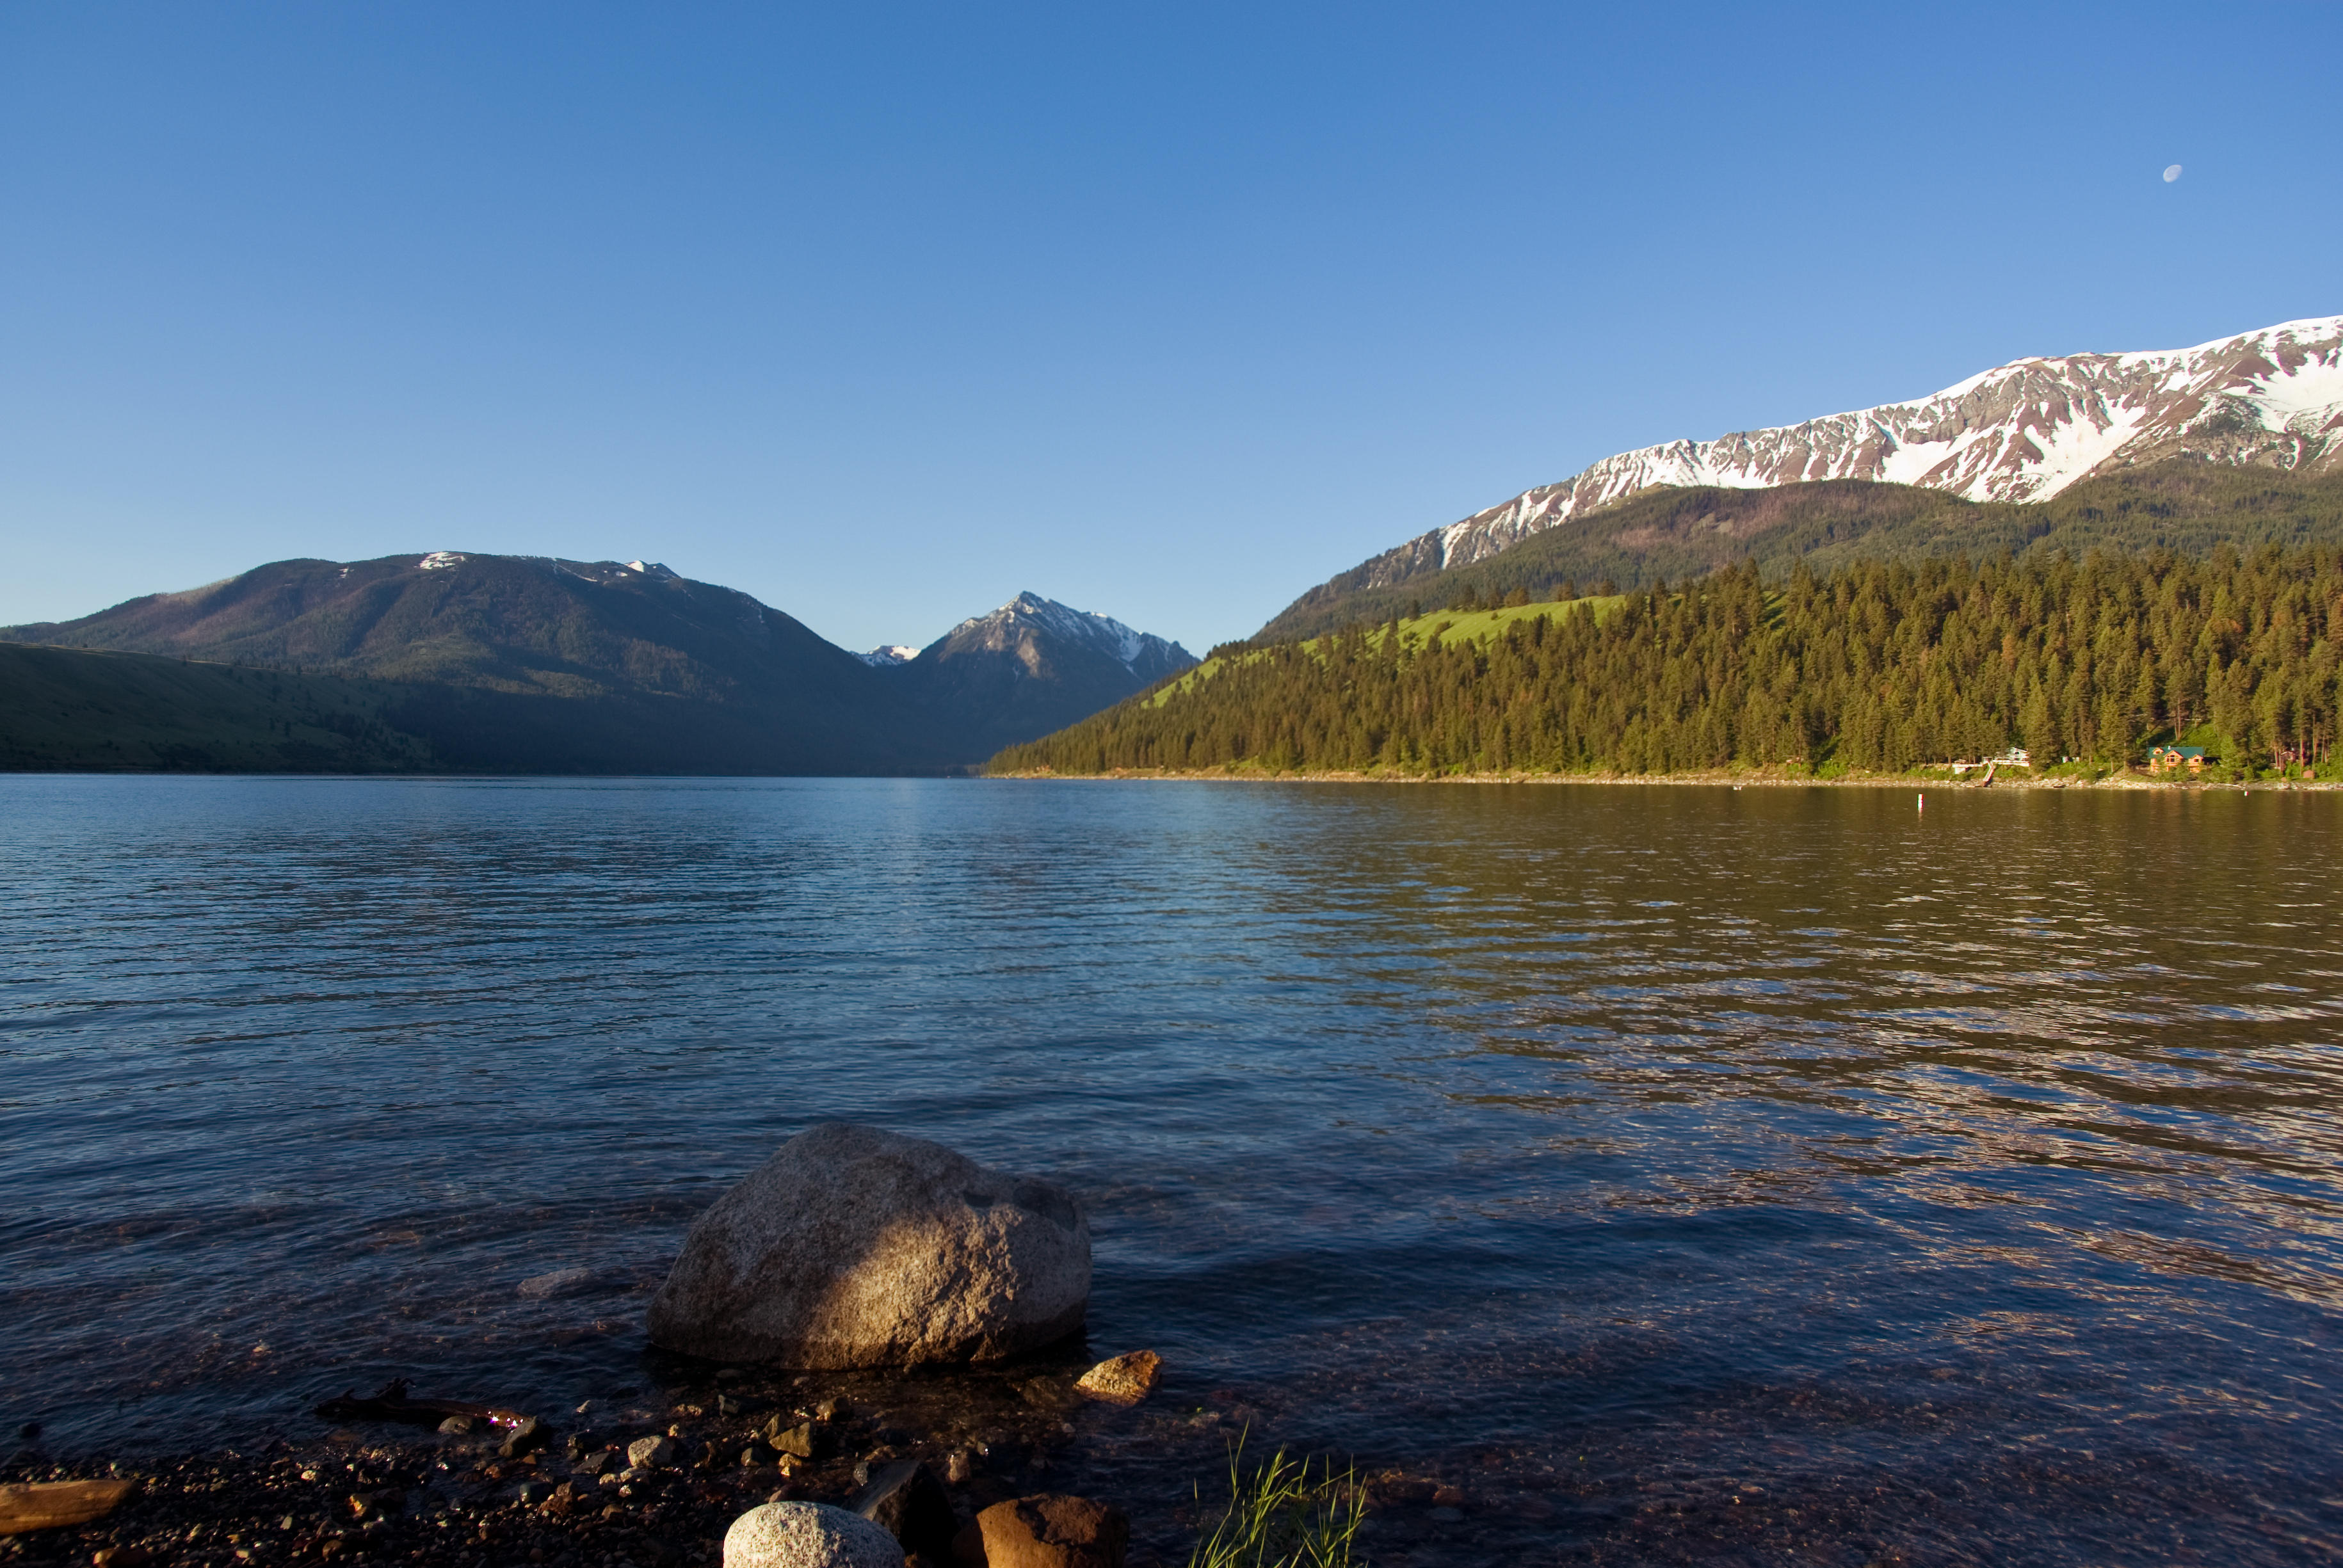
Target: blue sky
<point x="884" y="312"/>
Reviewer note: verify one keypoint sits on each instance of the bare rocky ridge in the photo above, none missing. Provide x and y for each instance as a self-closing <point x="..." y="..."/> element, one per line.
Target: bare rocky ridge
<point x="2022" y="432"/>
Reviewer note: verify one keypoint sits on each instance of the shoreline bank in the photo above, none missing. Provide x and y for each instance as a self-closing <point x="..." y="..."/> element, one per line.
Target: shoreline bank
<point x="1710" y="781"/>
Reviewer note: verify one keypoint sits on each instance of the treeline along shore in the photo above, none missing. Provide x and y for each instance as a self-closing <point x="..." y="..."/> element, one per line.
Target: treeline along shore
<point x="2091" y="665"/>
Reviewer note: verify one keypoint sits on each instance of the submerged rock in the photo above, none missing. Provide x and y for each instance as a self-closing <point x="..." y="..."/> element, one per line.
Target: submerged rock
<point x="1125" y="1380"/>
<point x="537" y="1287"/>
<point x="807" y="1535"/>
<point x="853" y="1247"/>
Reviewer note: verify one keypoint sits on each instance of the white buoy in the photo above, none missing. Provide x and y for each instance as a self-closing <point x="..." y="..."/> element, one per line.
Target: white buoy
<point x="1922" y="804"/>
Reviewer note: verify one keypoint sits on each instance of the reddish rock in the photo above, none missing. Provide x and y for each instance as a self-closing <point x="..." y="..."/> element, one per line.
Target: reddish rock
<point x="1049" y="1531"/>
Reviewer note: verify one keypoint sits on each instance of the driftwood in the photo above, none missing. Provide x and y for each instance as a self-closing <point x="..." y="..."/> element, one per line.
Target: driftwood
<point x="45" y="1504"/>
<point x="390" y="1404"/>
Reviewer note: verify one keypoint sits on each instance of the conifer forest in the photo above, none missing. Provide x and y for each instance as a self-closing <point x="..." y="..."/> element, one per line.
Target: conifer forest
<point x="1872" y="668"/>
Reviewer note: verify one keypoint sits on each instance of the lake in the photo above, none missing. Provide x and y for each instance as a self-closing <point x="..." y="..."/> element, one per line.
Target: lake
<point x="1679" y="1174"/>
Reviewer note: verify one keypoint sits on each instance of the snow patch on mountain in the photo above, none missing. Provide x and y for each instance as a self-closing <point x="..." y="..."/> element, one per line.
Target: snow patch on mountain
<point x="887" y="658"/>
<point x="2311" y="393"/>
<point x="2021" y="432"/>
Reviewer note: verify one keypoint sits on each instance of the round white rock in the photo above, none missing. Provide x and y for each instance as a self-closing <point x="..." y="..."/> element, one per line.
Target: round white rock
<point x="807" y="1535"/>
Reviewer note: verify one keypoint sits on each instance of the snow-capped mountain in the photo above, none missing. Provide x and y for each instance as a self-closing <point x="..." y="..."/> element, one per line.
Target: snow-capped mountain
<point x="1031" y="667"/>
<point x="2021" y="433"/>
<point x="887" y="658"/>
<point x="1026" y="626"/>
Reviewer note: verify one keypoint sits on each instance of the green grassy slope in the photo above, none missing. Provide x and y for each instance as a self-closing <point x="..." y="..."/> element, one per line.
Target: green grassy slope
<point x="1673" y="534"/>
<point x="1451" y="627"/>
<point x="70" y="710"/>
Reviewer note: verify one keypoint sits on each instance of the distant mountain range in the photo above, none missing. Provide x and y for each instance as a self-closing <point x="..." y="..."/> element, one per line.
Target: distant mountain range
<point x="2024" y="433"/>
<point x="535" y="664"/>
<point x="470" y="661"/>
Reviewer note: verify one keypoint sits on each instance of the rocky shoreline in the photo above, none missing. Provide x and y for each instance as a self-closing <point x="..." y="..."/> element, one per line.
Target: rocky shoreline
<point x="659" y="1472"/>
<point x="651" y="1482"/>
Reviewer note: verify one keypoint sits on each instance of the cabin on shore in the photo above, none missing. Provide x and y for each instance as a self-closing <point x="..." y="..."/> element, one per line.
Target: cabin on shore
<point x="2173" y="759"/>
<point x="2016" y="756"/>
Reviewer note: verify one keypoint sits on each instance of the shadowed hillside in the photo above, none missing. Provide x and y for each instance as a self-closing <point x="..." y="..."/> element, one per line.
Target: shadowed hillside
<point x="85" y="710"/>
<point x="63" y="708"/>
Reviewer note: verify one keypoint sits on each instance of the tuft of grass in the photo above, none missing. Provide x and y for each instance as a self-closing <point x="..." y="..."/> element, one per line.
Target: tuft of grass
<point x="1284" y="1513"/>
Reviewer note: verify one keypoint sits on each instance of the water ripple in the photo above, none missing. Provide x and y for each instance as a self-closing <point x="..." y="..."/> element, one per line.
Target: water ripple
<point x="1968" y="1181"/>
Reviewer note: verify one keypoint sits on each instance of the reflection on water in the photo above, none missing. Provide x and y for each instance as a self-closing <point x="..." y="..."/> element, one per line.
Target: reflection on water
<point x="1682" y="1173"/>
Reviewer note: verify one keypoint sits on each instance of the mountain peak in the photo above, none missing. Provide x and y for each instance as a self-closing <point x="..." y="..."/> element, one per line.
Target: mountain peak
<point x="1029" y="612"/>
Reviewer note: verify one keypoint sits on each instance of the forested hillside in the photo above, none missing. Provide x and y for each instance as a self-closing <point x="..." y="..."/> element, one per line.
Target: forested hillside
<point x="78" y="708"/>
<point x="1674" y="533"/>
<point x="1874" y="666"/>
<point x="65" y="709"/>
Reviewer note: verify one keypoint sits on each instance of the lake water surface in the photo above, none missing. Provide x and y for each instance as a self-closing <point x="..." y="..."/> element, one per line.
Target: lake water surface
<point x="1773" y="1175"/>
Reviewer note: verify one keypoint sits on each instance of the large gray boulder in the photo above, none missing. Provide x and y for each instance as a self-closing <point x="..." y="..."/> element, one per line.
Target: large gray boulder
<point x="807" y="1535"/>
<point x="857" y="1248"/>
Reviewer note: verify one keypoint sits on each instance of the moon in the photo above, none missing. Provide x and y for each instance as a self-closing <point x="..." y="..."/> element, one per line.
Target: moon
<point x="2172" y="174"/>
